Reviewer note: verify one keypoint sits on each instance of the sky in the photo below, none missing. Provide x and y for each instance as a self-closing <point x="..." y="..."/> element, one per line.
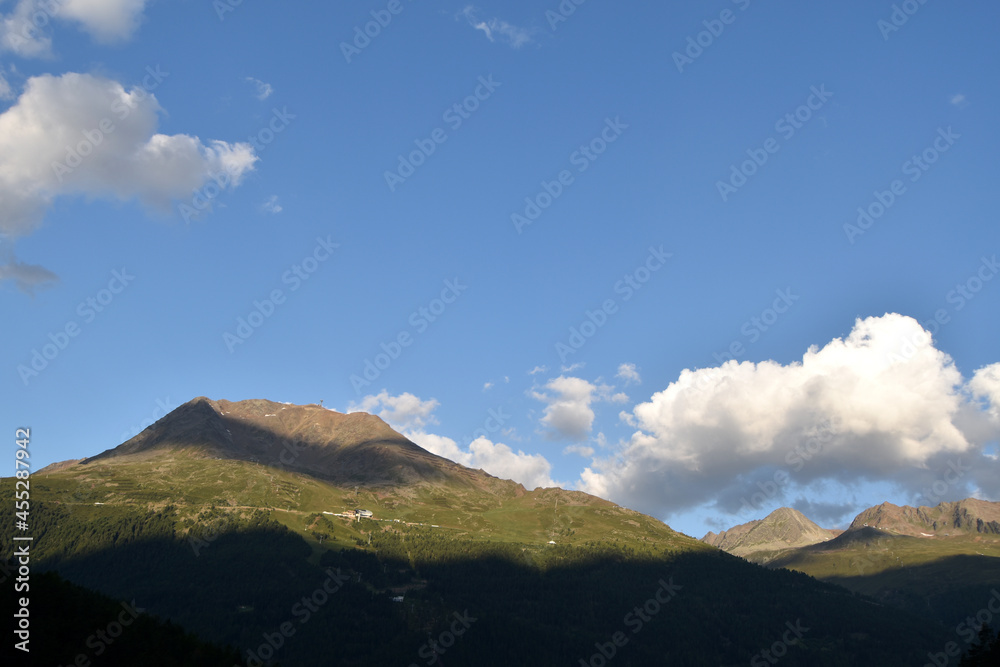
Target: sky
<point x="703" y="260"/>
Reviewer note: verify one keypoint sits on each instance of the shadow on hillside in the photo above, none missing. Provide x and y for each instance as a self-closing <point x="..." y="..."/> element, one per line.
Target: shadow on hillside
<point x="947" y="590"/>
<point x="71" y="625"/>
<point x="486" y="603"/>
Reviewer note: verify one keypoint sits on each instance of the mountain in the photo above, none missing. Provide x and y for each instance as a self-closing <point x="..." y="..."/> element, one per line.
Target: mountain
<point x="926" y="560"/>
<point x="969" y="516"/>
<point x="784" y="528"/>
<point x="356" y="448"/>
<point x="304" y="459"/>
<point x="229" y="520"/>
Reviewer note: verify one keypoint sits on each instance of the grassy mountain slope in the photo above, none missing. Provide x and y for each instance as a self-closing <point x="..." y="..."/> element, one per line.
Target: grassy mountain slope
<point x="945" y="579"/>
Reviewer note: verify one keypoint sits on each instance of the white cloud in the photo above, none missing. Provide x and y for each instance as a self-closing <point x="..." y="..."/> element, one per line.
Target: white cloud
<point x="487" y="386"/>
<point x="583" y="450"/>
<point x="52" y="144"/>
<point x="629" y="374"/>
<point x="568" y="412"/>
<point x="985" y="384"/>
<point x="263" y="90"/>
<point x="899" y="409"/>
<point x="25" y="30"/>
<point x="572" y="367"/>
<point x="496" y="28"/>
<point x="104" y="20"/>
<point x="959" y="101"/>
<point x="405" y="412"/>
<point x="271" y="205"/>
<point x="18" y="33"/>
<point x="538" y="369"/>
<point x="410" y="415"/>
<point x="531" y="470"/>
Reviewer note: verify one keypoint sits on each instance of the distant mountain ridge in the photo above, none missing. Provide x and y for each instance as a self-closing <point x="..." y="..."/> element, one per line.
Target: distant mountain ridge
<point x="784" y="528"/>
<point x="967" y="516"/>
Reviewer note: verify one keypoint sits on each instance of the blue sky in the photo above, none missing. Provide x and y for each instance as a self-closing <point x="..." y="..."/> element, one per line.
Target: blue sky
<point x="474" y="183"/>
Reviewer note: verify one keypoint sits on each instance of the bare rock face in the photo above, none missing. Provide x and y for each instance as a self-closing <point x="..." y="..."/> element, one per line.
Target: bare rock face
<point x="943" y="520"/>
<point x="784" y="528"/>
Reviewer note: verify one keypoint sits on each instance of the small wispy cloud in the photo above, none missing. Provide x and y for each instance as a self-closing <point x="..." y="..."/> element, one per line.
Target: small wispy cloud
<point x="583" y="450"/>
<point x="959" y="100"/>
<point x="487" y="386"/>
<point x="27" y="277"/>
<point x="271" y="205"/>
<point x="6" y="92"/>
<point x="538" y="369"/>
<point x="572" y="367"/>
<point x="264" y="90"/>
<point x="628" y="373"/>
<point x="495" y="28"/>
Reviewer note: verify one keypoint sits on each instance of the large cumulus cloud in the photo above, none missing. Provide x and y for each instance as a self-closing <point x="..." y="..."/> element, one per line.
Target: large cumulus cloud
<point x="881" y="405"/>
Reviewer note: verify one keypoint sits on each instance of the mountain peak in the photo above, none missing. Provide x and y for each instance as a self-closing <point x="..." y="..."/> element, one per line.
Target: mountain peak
<point x="355" y="448"/>
<point x="784" y="528"/>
